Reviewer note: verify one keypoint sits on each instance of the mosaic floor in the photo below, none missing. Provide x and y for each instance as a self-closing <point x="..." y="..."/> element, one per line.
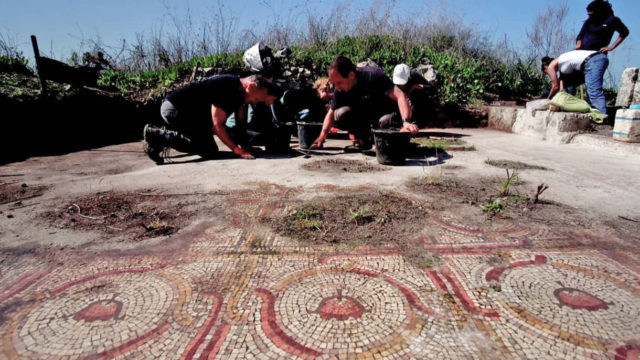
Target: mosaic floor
<point x="238" y="291"/>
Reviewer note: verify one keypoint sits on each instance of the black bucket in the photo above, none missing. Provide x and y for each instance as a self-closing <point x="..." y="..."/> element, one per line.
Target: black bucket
<point x="308" y="132"/>
<point x="282" y="139"/>
<point x="391" y="146"/>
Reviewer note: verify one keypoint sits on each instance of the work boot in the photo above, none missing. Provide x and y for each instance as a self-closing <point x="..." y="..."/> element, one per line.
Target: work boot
<point x="155" y="143"/>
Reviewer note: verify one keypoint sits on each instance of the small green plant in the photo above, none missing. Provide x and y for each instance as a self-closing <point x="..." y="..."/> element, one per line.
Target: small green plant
<point x="493" y="207"/>
<point x="427" y="261"/>
<point x="438" y="144"/>
<point x="308" y="217"/>
<point x="508" y="183"/>
<point x="362" y="215"/>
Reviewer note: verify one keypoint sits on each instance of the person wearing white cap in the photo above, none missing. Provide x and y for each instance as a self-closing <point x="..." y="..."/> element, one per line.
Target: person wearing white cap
<point x="417" y="89"/>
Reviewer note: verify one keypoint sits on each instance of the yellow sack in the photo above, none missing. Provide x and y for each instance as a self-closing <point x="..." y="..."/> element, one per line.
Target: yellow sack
<point x="564" y="101"/>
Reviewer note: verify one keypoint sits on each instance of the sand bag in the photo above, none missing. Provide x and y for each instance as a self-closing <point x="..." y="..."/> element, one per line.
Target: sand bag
<point x="564" y="101"/>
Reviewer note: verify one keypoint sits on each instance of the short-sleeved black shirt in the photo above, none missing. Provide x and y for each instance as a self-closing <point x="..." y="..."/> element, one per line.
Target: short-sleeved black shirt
<point x="372" y="89"/>
<point x="597" y="34"/>
<point x="415" y="79"/>
<point x="222" y="91"/>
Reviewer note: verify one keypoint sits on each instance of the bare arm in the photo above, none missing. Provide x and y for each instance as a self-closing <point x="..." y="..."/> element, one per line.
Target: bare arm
<point x="578" y="44"/>
<point x="327" y="124"/>
<point x="405" y="109"/>
<point x="551" y="71"/>
<point x="219" y="117"/>
<point x="606" y="49"/>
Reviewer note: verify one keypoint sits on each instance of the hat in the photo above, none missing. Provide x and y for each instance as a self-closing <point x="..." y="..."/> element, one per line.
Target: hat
<point x="401" y="74"/>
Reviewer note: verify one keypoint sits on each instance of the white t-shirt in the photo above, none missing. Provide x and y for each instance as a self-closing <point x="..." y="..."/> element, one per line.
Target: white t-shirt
<point x="571" y="61"/>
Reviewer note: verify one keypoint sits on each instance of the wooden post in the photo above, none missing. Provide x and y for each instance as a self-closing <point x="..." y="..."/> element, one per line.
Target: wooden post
<point x="36" y="54"/>
<point x="195" y="71"/>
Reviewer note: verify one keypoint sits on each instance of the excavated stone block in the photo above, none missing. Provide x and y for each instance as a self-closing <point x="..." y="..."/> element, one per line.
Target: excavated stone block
<point x="558" y="127"/>
<point x="429" y="72"/>
<point x="502" y="117"/>
<point x="629" y="92"/>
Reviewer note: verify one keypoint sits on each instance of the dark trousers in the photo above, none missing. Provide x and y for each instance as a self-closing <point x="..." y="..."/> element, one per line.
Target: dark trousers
<point x="359" y="120"/>
<point x="190" y="134"/>
<point x="423" y="105"/>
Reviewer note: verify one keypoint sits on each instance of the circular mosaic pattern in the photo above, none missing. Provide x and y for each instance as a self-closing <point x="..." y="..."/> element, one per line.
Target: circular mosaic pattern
<point x="110" y="310"/>
<point x="573" y="301"/>
<point x="341" y="309"/>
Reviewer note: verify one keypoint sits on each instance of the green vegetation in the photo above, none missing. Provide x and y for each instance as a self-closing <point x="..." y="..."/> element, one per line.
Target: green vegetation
<point x="16" y="63"/>
<point x="506" y="185"/>
<point x="362" y="215"/>
<point x="127" y="81"/>
<point x="493" y="207"/>
<point x="506" y="195"/>
<point x="307" y="217"/>
<point x="441" y="144"/>
<point x="463" y="75"/>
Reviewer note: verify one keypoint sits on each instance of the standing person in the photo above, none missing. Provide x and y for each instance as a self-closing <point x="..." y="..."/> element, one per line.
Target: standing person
<point x="194" y="113"/>
<point x="364" y="97"/>
<point x="420" y="93"/>
<point x="596" y="34"/>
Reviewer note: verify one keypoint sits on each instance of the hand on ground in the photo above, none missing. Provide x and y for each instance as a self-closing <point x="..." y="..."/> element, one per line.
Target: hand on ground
<point x="317" y="144"/>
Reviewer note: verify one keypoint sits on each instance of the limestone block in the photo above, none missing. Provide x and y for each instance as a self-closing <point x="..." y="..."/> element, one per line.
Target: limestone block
<point x="558" y="127"/>
<point x="367" y="62"/>
<point x="629" y="92"/>
<point x="502" y="117"/>
<point x="429" y="72"/>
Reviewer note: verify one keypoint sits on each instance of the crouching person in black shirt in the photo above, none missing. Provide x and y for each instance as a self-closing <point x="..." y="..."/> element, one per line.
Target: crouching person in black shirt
<point x="194" y="113"/>
<point x="365" y="98"/>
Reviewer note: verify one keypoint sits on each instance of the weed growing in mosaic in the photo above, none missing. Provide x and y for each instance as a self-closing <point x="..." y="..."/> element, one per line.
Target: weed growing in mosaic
<point x="493" y="207"/>
<point x="362" y="215"/>
<point x="508" y="183"/>
<point x="307" y="217"/>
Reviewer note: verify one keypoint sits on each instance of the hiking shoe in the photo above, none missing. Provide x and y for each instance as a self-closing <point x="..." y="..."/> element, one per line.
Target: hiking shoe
<point x="155" y="143"/>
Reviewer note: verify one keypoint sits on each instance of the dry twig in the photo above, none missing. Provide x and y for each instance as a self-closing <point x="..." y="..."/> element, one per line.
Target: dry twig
<point x="85" y="216"/>
<point x="541" y="188"/>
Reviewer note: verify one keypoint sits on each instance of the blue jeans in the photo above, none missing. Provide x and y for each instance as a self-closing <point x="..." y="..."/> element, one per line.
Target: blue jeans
<point x="594" y="76"/>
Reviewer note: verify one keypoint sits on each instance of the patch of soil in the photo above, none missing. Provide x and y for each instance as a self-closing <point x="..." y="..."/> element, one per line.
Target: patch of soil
<point x="443" y="191"/>
<point x="16" y="192"/>
<point x="468" y="196"/>
<point x="513" y="165"/>
<point x="342" y="165"/>
<point x="369" y="218"/>
<point x="134" y="214"/>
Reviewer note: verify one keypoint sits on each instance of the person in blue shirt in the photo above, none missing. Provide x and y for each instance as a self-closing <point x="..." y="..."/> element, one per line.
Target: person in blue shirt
<point x="596" y="34"/>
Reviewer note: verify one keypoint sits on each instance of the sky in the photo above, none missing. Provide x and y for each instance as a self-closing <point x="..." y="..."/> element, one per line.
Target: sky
<point x="62" y="25"/>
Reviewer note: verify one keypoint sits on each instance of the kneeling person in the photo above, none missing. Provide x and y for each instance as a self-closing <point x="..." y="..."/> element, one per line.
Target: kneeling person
<point x="194" y="113"/>
<point x="364" y="98"/>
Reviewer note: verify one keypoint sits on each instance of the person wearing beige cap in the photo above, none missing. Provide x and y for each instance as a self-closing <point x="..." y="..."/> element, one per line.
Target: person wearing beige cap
<point x="420" y="93"/>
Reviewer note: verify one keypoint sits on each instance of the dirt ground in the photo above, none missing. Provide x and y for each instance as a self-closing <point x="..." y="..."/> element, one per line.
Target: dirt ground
<point x="299" y="254"/>
<point x="117" y="193"/>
